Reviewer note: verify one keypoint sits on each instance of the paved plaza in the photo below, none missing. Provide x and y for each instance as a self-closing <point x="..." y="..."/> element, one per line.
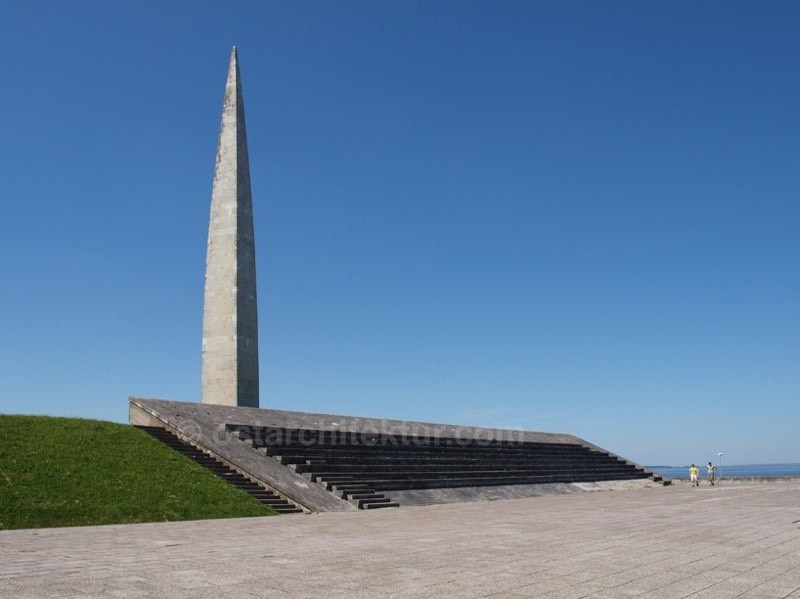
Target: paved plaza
<point x="729" y="541"/>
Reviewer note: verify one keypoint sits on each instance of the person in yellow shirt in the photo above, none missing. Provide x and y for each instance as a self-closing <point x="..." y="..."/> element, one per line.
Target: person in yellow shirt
<point x="694" y="475"/>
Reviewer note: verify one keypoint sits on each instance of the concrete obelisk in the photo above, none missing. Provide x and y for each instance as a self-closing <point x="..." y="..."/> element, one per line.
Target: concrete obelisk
<point x="230" y="320"/>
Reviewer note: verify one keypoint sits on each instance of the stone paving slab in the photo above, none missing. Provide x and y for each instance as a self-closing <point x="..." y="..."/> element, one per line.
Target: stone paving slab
<point x="707" y="543"/>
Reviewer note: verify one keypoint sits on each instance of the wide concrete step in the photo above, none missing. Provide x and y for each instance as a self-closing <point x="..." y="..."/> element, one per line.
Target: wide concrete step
<point x="374" y="501"/>
<point x="349" y="484"/>
<point x="362" y="495"/>
<point x="415" y="442"/>
<point x="423" y="466"/>
<point x="489" y="469"/>
<point x="374" y="506"/>
<point x="368" y="477"/>
<point x="435" y="483"/>
<point x="306" y="462"/>
<point x="424" y="458"/>
<point x="444" y="460"/>
<point x="565" y="476"/>
<point x="283" y="436"/>
<point x="477" y="452"/>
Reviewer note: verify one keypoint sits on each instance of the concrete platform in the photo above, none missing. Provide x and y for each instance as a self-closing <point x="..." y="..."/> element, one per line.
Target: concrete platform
<point x="666" y="542"/>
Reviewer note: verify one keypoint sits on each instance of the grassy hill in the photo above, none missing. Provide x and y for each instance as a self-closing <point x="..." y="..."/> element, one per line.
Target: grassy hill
<point x="72" y="472"/>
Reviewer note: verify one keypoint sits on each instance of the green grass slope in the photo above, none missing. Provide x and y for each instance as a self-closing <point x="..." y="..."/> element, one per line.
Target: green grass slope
<point x="71" y="472"/>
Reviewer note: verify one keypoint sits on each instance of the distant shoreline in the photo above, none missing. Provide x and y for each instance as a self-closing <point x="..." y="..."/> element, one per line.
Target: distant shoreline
<point x="732" y="470"/>
<point x="739" y="480"/>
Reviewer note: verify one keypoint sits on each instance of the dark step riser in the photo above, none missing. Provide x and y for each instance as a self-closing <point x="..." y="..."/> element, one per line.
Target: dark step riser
<point x="309" y="462"/>
<point x="365" y="452"/>
<point x="396" y="485"/>
<point x="366" y="478"/>
<point x="421" y="458"/>
<point x="405" y="485"/>
<point x="320" y="470"/>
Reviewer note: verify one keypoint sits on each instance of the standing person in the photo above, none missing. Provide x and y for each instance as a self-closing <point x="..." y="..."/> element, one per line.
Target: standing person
<point x="712" y="473"/>
<point x="694" y="475"/>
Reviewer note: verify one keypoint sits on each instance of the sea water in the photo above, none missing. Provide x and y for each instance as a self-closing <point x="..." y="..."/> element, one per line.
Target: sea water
<point x="732" y="470"/>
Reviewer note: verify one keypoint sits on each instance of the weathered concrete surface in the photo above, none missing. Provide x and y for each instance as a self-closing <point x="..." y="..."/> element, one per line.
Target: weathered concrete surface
<point x="230" y="320"/>
<point x="335" y="422"/>
<point x="496" y="492"/>
<point x="658" y="543"/>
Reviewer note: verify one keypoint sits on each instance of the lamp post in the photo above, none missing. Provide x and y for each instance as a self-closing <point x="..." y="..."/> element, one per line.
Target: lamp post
<point x="719" y="466"/>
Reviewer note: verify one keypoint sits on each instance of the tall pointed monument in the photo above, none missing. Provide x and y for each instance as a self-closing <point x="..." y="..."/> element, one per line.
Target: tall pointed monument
<point x="230" y="320"/>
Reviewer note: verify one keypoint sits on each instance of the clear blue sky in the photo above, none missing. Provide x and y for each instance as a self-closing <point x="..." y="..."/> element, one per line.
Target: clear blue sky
<point x="561" y="216"/>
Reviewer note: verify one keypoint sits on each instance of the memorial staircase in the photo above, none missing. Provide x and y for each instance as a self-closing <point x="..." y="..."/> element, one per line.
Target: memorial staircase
<point x="365" y="469"/>
<point x="337" y="463"/>
<point x="265" y="496"/>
